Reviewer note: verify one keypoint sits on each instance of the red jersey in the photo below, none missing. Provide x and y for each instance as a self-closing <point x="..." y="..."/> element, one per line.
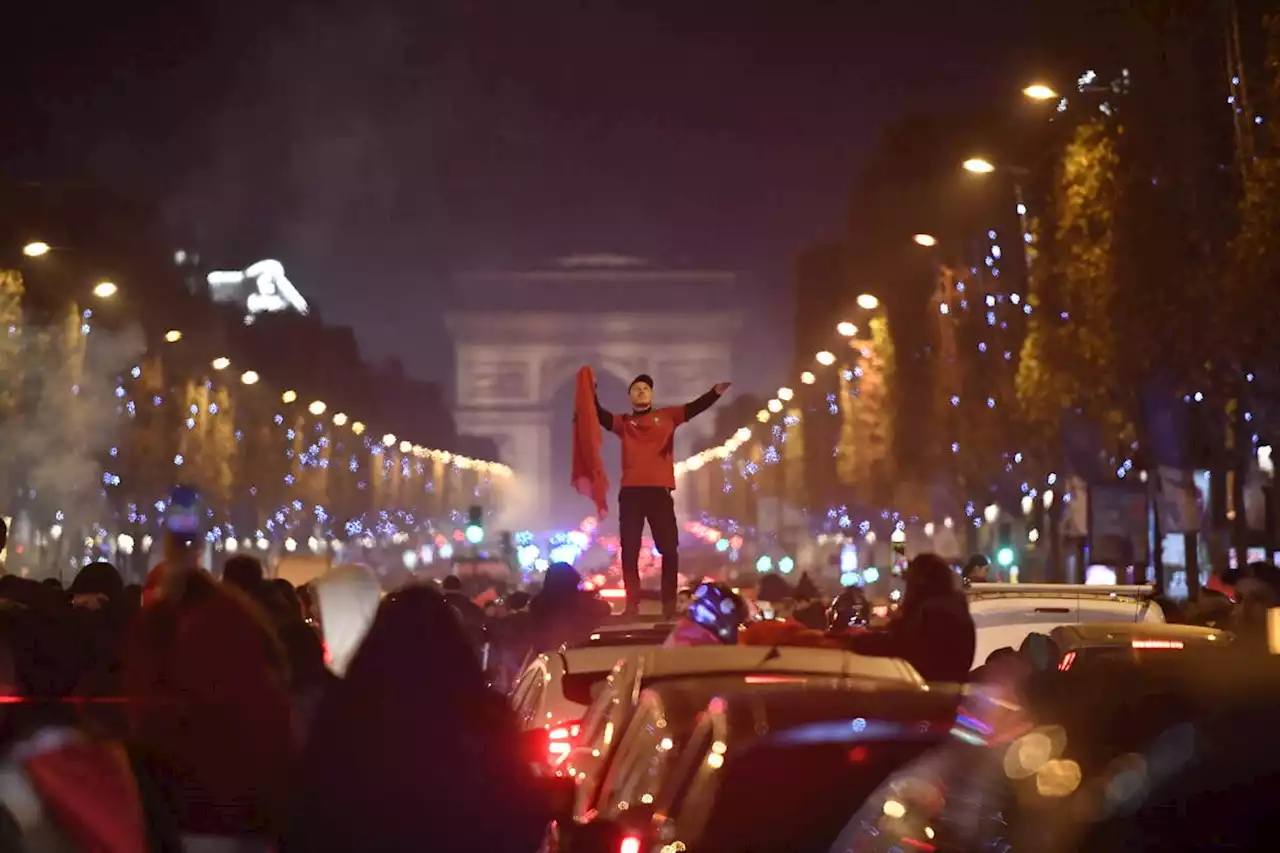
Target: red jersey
<point x="648" y="446"/>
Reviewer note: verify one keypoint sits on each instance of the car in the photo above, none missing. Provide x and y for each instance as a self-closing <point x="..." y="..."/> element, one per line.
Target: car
<point x="629" y="634"/>
<point x="1101" y="642"/>
<point x="1005" y="614"/>
<point x="704" y="669"/>
<point x="766" y="767"/>
<point x="555" y="689"/>
<point x="1175" y="754"/>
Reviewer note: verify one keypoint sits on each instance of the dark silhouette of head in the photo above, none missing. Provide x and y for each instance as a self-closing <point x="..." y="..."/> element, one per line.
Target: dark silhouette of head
<point x="244" y="572"/>
<point x="452" y="583"/>
<point x="928" y="577"/>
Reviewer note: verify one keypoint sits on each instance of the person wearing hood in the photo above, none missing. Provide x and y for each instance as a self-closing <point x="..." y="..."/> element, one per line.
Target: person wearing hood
<point x="560" y="613"/>
<point x="932" y="631"/>
<point x="411" y="751"/>
<point x="347" y="598"/>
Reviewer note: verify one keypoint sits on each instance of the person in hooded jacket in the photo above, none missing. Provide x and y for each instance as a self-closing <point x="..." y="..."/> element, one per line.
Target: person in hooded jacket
<point x="561" y="613"/>
<point x="932" y="630"/>
<point x="412" y="752"/>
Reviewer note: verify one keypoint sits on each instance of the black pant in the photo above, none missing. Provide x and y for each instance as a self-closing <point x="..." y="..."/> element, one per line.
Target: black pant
<point x="636" y="505"/>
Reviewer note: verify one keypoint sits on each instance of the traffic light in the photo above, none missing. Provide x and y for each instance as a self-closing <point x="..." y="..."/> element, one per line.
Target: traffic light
<point x="1005" y="555"/>
<point x="475" y="524"/>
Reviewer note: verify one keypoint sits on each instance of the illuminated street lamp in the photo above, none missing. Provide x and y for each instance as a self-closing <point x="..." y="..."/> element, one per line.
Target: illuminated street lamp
<point x="847" y="329"/>
<point x="173" y="336"/>
<point x="36" y="249"/>
<point x="249" y="377"/>
<point x="105" y="289"/>
<point x="1040" y="92"/>
<point x="808" y="378"/>
<point x="289" y="396"/>
<point x="406" y="446"/>
<point x="867" y="302"/>
<point x="926" y="240"/>
<point x="340" y="419"/>
<point x="775" y="406"/>
<point x="388" y="440"/>
<point x="317" y="407"/>
<point x="785" y="394"/>
<point x="979" y="166"/>
<point x="221" y="363"/>
<point x="825" y="358"/>
<point x="357" y="428"/>
<point x="763" y="416"/>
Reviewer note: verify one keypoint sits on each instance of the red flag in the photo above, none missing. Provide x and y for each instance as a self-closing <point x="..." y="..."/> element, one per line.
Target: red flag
<point x="588" y="477"/>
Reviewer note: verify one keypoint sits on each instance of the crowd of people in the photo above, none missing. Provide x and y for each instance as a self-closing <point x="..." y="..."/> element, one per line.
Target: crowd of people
<point x="233" y="712"/>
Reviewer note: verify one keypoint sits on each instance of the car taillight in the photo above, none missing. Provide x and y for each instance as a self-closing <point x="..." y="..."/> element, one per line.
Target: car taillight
<point x="1157" y="644"/>
<point x="561" y="739"/>
<point x="630" y="844"/>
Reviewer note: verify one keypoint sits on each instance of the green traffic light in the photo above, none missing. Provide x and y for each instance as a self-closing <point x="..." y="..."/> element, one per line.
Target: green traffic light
<point x="1005" y="557"/>
<point x="475" y="534"/>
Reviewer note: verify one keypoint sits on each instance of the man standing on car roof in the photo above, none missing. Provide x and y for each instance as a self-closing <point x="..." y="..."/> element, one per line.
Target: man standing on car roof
<point x="648" y="479"/>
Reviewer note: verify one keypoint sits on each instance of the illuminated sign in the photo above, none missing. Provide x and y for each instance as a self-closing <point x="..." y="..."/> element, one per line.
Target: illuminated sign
<point x="263" y="288"/>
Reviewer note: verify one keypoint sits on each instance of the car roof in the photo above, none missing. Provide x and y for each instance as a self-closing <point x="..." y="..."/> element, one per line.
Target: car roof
<point x="628" y="634"/>
<point x="1086" y="634"/>
<point x="599" y="658"/>
<point x="708" y="660"/>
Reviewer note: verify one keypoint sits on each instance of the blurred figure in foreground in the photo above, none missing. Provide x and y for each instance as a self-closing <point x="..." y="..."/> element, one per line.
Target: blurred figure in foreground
<point x="411" y="752"/>
<point x="932" y="630"/>
<point x="209" y="712"/>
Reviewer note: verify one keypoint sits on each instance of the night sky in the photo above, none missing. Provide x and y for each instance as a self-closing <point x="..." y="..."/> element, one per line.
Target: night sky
<point x="375" y="146"/>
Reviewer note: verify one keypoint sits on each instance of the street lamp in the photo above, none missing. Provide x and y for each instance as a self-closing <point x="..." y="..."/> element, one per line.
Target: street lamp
<point x="808" y="378"/>
<point x="867" y="302"/>
<point x="847" y="329"/>
<point x="173" y="336"/>
<point x="105" y="289"/>
<point x="340" y="419"/>
<point x="979" y="166"/>
<point x="249" y="377"/>
<point x="289" y="396"/>
<point x="388" y="440"/>
<point x="926" y="240"/>
<point x="221" y="363"/>
<point x="825" y="358"/>
<point x="36" y="249"/>
<point x="785" y="394"/>
<point x="1040" y="92"/>
<point x="317" y="407"/>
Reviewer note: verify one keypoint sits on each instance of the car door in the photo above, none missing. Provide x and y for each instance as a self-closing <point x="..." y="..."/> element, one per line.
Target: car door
<point x="527" y="699"/>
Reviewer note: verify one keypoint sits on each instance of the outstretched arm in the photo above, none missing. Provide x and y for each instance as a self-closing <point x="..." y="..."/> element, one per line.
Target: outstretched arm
<point x="706" y="401"/>
<point x="605" y="416"/>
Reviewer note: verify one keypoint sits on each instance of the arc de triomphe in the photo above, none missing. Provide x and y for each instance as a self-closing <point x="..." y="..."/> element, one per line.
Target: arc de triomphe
<point x="511" y="362"/>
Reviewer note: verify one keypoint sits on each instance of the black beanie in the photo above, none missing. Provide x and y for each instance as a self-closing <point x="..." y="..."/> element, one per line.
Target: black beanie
<point x="643" y="377"/>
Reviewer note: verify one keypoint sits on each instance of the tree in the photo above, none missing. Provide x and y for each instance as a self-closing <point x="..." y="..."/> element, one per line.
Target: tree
<point x="864" y="455"/>
<point x="1069" y="356"/>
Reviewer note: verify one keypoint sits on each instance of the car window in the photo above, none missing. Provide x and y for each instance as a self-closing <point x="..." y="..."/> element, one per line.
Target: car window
<point x="634" y="774"/>
<point x="527" y="712"/>
<point x="688" y="763"/>
<point x="520" y="693"/>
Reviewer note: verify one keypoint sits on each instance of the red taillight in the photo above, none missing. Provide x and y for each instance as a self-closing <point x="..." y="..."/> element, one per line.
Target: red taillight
<point x="1067" y="660"/>
<point x="561" y="739"/>
<point x="613" y="593"/>
<point x="1157" y="644"/>
<point x="630" y="844"/>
